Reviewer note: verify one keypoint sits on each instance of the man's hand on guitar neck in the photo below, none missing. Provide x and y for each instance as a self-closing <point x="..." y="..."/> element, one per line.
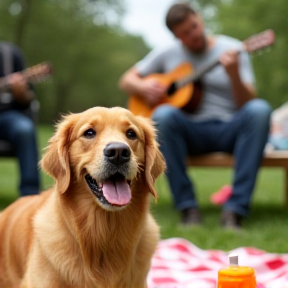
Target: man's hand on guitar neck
<point x="229" y="61"/>
<point x="243" y="92"/>
<point x="19" y="88"/>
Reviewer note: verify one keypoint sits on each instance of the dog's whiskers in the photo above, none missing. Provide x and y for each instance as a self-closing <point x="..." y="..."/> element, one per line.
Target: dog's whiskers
<point x="140" y="167"/>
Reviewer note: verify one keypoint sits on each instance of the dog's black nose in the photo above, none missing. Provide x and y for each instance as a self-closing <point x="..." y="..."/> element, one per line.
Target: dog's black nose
<point x="117" y="153"/>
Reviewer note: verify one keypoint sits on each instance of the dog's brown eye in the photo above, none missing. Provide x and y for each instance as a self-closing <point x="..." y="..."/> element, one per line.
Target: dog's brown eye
<point x="131" y="134"/>
<point x="90" y="133"/>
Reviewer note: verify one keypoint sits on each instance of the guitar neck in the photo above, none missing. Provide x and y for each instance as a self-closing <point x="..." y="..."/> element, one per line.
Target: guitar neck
<point x="197" y="75"/>
<point x="33" y="74"/>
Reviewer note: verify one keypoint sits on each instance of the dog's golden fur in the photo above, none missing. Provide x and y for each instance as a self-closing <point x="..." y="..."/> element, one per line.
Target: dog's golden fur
<point x="67" y="237"/>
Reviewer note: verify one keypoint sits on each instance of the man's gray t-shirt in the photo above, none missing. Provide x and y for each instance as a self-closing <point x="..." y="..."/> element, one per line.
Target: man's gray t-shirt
<point x="217" y="99"/>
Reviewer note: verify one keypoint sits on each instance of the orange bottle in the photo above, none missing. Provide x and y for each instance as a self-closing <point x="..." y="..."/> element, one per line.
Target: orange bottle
<point x="236" y="276"/>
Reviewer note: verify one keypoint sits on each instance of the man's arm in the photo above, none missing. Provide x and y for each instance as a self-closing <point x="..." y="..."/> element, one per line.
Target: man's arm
<point x="243" y="92"/>
<point x="131" y="82"/>
<point x="22" y="91"/>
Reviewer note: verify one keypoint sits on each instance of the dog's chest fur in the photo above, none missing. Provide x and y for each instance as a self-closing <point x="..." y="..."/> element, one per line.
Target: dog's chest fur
<point x="103" y="248"/>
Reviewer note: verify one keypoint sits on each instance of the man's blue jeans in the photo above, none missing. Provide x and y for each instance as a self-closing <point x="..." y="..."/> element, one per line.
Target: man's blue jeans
<point x="20" y="131"/>
<point x="245" y="135"/>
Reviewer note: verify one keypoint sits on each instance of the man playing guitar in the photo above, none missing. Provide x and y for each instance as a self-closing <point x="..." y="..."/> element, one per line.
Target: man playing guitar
<point x="228" y="118"/>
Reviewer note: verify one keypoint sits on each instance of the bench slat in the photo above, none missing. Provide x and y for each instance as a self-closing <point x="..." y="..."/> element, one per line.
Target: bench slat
<point x="271" y="159"/>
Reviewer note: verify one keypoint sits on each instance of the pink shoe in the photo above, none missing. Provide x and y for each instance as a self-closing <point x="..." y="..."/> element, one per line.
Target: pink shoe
<point x="221" y="196"/>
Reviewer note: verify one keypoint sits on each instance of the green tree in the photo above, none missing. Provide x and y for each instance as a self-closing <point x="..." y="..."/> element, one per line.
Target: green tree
<point x="88" y="51"/>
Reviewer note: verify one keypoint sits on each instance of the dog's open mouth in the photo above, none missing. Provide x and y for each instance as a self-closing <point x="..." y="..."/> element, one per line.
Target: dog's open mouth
<point x="113" y="191"/>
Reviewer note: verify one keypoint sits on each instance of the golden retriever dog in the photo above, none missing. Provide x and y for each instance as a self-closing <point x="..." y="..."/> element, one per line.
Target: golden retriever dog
<point x="93" y="228"/>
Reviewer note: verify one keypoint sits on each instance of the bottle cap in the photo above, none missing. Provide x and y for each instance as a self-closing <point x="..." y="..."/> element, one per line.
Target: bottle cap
<point x="233" y="260"/>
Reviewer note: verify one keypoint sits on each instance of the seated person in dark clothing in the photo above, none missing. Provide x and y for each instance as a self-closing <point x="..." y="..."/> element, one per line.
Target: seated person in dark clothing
<point x="15" y="126"/>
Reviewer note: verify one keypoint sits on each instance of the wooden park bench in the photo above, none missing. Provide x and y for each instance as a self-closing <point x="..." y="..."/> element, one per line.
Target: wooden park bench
<point x="271" y="159"/>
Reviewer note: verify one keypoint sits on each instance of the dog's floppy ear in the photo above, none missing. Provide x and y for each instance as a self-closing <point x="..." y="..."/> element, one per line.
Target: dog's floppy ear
<point x="154" y="160"/>
<point x="55" y="161"/>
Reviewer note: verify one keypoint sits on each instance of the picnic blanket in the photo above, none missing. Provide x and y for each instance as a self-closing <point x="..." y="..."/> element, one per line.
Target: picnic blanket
<point x="177" y="263"/>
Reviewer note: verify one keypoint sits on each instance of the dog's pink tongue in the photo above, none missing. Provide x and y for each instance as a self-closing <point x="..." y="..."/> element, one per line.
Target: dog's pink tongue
<point x="117" y="193"/>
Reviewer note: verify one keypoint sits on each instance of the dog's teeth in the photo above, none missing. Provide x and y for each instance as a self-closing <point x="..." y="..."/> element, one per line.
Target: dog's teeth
<point x="100" y="185"/>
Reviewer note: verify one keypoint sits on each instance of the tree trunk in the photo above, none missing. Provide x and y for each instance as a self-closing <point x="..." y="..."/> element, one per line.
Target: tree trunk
<point x="22" y="22"/>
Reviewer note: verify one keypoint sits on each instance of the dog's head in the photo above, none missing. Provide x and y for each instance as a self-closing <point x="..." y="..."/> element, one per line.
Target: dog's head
<point x="107" y="149"/>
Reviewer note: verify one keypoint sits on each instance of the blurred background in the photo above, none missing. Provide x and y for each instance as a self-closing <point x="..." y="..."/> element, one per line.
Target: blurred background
<point x="90" y="43"/>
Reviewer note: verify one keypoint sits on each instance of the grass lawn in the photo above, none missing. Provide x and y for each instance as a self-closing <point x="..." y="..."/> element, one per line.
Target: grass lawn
<point x="266" y="227"/>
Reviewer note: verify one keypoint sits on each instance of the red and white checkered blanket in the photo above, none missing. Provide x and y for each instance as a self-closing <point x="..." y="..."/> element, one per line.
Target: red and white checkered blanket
<point x="177" y="263"/>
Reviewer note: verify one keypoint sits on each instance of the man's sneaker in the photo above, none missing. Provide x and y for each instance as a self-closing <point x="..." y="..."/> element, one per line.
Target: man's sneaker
<point x="190" y="216"/>
<point x="231" y="220"/>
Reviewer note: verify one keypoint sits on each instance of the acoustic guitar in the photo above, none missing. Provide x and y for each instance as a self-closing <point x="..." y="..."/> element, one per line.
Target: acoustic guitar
<point x="184" y="86"/>
<point x="34" y="74"/>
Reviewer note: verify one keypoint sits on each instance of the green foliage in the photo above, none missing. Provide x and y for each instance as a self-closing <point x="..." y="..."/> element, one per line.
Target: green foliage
<point x="88" y="56"/>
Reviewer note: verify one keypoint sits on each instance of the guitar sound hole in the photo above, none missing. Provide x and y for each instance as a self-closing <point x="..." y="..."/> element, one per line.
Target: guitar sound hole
<point x="172" y="89"/>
